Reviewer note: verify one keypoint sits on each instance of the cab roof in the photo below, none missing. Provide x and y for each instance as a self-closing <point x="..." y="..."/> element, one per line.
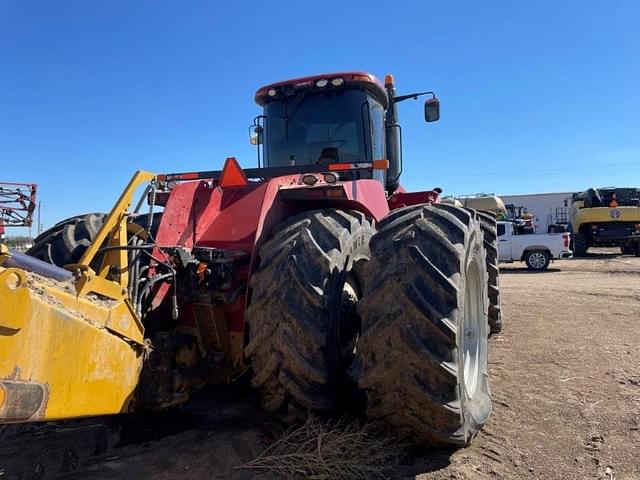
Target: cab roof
<point x="361" y="80"/>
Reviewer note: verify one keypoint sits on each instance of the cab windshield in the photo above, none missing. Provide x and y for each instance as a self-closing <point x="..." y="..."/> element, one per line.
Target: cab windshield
<point x="323" y="127"/>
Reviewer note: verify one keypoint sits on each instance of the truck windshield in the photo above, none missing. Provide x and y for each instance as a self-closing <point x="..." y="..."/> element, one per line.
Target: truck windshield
<point x="315" y="127"/>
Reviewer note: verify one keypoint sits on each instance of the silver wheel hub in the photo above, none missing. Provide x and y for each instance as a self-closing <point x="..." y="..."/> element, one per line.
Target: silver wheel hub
<point x="349" y="300"/>
<point x="537" y="260"/>
<point x="471" y="342"/>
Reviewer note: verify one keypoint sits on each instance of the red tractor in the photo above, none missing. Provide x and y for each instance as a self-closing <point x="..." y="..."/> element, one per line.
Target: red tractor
<point x="315" y="274"/>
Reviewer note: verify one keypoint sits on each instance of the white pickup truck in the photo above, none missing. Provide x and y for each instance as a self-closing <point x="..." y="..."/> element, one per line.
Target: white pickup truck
<point x="536" y="249"/>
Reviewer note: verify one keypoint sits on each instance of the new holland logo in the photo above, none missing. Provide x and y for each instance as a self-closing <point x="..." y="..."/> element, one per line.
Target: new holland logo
<point x="614" y="213"/>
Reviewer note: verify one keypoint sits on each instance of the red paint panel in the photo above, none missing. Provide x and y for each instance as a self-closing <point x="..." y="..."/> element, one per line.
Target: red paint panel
<point x="403" y="199"/>
<point x="181" y="213"/>
<point x="369" y="196"/>
<point x="199" y="213"/>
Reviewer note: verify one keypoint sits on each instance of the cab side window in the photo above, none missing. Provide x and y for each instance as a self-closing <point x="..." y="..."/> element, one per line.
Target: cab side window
<point x="501" y="229"/>
<point x="377" y="130"/>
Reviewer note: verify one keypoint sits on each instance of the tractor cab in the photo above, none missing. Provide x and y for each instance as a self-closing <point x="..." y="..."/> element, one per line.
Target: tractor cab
<point x="347" y="117"/>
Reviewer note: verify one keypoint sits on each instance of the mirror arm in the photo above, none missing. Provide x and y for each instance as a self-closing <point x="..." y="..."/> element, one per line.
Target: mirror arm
<point x="256" y="120"/>
<point x="413" y="96"/>
<point x="254" y="127"/>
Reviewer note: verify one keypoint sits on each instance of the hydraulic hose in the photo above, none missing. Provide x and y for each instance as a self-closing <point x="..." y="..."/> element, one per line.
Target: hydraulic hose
<point x="31" y="264"/>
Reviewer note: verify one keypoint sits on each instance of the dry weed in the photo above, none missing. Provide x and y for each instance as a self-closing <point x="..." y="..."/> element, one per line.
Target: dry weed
<point x="330" y="450"/>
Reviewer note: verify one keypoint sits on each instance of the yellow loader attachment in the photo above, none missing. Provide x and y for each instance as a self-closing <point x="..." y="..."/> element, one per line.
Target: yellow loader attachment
<point x="58" y="357"/>
<point x="73" y="348"/>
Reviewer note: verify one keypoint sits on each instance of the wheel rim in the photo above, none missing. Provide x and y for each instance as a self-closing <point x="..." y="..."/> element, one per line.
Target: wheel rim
<point x="537" y="260"/>
<point x="473" y="316"/>
<point x="348" y="326"/>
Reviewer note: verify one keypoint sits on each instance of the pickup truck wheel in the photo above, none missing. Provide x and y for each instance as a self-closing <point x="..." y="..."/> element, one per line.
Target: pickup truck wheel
<point x="537" y="260"/>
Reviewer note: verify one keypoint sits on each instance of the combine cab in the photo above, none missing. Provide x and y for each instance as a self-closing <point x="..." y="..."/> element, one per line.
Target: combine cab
<point x="606" y="217"/>
<point x="315" y="275"/>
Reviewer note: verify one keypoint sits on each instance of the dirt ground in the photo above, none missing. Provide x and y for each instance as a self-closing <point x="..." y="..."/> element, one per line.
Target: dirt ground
<point x="565" y="377"/>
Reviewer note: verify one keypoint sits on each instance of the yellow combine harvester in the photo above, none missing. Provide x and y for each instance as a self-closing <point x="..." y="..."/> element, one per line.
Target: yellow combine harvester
<point x="606" y="217"/>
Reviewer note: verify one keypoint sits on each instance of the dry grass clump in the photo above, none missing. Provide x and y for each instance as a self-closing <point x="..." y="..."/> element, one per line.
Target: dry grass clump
<point x="330" y="450"/>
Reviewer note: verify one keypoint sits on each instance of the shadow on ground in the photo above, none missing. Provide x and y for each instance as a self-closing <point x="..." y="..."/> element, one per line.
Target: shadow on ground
<point x="209" y="438"/>
<point x="526" y="271"/>
<point x="422" y="460"/>
<point x="596" y="256"/>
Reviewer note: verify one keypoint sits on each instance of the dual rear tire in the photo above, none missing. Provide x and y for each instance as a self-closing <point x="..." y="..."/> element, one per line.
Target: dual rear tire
<point x="422" y="353"/>
<point x="301" y="317"/>
<point x="417" y="343"/>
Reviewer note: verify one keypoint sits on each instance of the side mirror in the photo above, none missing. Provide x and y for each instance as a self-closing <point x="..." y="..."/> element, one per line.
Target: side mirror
<point x="256" y="134"/>
<point x="432" y="110"/>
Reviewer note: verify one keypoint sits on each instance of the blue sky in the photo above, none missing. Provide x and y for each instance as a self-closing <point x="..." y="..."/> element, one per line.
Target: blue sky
<point x="535" y="96"/>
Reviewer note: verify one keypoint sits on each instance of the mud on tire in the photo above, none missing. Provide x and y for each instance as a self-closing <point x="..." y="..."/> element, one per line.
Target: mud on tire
<point x="295" y="299"/>
<point x="425" y="288"/>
